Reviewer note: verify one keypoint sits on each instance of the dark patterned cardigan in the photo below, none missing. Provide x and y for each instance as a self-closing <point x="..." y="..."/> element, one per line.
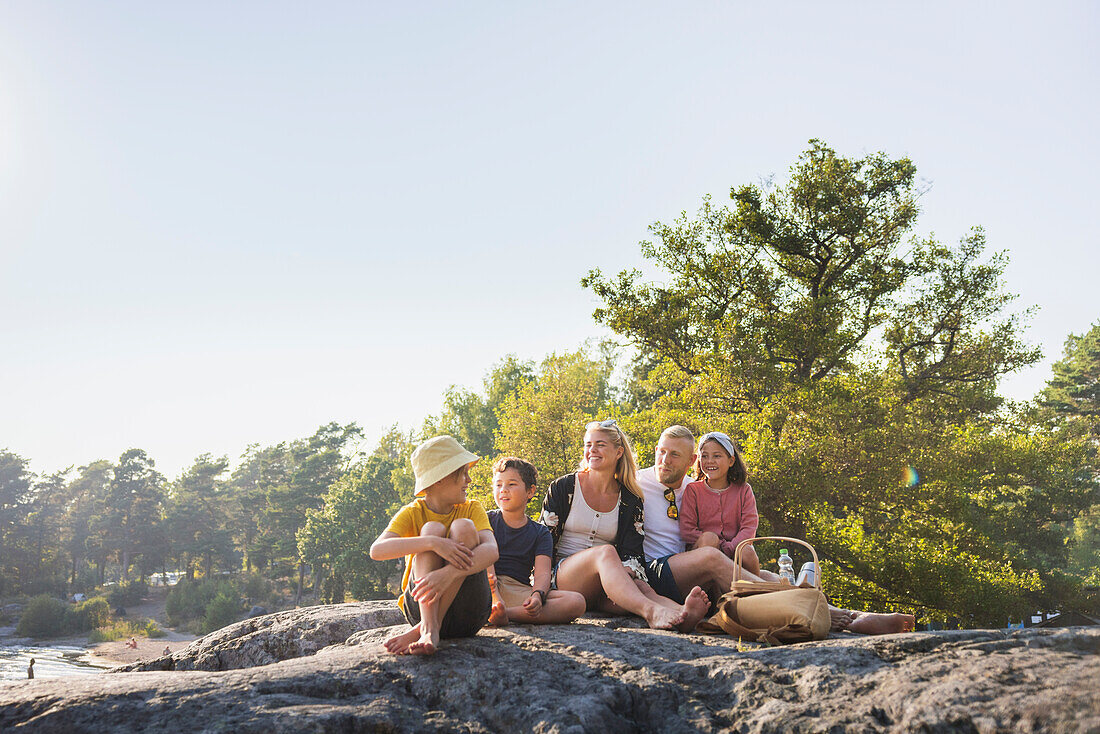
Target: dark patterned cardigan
<point x="559" y="500"/>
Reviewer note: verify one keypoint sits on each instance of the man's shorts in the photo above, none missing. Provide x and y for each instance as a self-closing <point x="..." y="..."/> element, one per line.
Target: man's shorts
<point x="513" y="592"/>
<point x="468" y="612"/>
<point x="658" y="575"/>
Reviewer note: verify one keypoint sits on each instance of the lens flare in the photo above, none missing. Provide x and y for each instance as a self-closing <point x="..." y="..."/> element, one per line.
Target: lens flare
<point x="912" y="479"/>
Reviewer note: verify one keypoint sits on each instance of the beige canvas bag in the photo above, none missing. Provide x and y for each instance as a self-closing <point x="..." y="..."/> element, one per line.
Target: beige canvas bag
<point x="768" y="611"/>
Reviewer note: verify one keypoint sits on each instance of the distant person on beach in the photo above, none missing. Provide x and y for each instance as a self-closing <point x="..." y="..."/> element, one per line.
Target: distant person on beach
<point x="30" y="670"/>
<point x="447" y="543"/>
<point x="132" y="643"/>
<point x="167" y="650"/>
<point x="672" y="570"/>
<point x="521" y="577"/>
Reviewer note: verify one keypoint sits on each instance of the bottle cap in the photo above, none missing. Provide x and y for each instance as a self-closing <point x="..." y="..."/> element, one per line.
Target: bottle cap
<point x="782" y="551"/>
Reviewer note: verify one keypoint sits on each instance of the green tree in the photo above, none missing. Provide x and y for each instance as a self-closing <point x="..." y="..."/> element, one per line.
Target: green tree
<point x="1074" y="389"/>
<point x="337" y="536"/>
<point x="43" y="565"/>
<point x="131" y="519"/>
<point x="84" y="539"/>
<point x="472" y="417"/>
<point x="315" y="463"/>
<point x="543" y="421"/>
<point x="15" y="486"/>
<point x="808" y="321"/>
<point x="198" y="516"/>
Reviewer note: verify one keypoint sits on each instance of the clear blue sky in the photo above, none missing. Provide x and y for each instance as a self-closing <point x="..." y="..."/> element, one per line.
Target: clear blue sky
<point x="224" y="223"/>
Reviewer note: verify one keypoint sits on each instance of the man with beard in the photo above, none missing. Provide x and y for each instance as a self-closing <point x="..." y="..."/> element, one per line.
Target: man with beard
<point x="671" y="569"/>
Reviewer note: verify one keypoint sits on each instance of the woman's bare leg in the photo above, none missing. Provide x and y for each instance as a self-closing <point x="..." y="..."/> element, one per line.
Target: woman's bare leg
<point x="598" y="572"/>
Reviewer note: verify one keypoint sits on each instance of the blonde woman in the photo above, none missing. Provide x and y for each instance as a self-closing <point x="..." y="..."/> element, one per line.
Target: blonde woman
<point x="595" y="518"/>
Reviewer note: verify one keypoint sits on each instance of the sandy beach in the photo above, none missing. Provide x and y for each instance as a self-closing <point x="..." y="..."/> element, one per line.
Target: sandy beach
<point x="116" y="652"/>
<point x="149" y="648"/>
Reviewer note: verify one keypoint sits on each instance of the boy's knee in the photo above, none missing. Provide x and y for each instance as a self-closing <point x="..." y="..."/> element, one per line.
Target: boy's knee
<point x="575" y="603"/>
<point x="464" y="531"/>
<point x="433" y="528"/>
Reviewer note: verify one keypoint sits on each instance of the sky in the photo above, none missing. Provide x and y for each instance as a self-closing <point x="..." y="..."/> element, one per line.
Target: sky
<point x="231" y="223"/>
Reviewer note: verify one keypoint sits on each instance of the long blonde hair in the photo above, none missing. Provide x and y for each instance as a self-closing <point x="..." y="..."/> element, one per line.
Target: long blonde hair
<point x="626" y="469"/>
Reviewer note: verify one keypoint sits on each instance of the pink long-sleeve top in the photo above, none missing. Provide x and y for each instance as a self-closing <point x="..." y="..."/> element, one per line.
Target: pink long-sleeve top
<point x="730" y="514"/>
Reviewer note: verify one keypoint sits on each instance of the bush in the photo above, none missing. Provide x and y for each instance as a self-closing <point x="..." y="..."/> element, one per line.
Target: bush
<point x="127" y="594"/>
<point x="88" y="614"/>
<point x="44" y="616"/>
<point x="256" y="588"/>
<point x="223" y="609"/>
<point x="188" y="600"/>
<point x="126" y="628"/>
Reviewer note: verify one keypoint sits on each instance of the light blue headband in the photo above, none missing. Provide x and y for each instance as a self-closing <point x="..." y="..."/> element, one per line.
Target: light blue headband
<point x="725" y="441"/>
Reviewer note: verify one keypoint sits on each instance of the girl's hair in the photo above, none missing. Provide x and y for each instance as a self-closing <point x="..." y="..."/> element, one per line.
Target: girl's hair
<point x="526" y="470"/>
<point x="626" y="469"/>
<point x="736" y="474"/>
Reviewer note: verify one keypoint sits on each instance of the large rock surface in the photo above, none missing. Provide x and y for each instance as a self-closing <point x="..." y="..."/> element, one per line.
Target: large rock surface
<point x="599" y="675"/>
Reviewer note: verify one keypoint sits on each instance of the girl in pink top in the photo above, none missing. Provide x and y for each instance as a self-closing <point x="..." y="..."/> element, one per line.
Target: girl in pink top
<point x="720" y="511"/>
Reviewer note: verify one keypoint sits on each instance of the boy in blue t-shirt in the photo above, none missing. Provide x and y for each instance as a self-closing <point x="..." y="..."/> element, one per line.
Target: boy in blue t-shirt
<point x="525" y="550"/>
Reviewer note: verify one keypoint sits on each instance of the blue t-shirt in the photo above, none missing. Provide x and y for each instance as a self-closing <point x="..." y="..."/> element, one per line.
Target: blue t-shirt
<point x="519" y="546"/>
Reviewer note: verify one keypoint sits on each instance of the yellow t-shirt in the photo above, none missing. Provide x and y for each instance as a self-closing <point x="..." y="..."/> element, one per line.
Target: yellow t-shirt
<point x="411" y="518"/>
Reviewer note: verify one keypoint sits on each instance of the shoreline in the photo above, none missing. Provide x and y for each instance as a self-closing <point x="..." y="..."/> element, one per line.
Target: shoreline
<point x="108" y="654"/>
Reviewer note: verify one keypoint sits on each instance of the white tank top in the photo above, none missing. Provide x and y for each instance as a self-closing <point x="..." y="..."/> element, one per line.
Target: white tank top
<point x="586" y="528"/>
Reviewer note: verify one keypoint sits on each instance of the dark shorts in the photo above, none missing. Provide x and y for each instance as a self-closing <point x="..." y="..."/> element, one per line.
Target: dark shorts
<point x="468" y="612"/>
<point x="658" y="574"/>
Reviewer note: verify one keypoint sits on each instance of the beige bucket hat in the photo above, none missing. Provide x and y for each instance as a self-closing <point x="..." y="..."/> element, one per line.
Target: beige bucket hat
<point x="436" y="458"/>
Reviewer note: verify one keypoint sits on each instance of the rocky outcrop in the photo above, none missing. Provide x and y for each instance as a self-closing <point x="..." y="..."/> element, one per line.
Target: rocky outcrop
<point x="273" y="637"/>
<point x="600" y="675"/>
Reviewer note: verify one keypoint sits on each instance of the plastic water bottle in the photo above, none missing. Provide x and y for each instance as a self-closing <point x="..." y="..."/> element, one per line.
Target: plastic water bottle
<point x="786" y="566"/>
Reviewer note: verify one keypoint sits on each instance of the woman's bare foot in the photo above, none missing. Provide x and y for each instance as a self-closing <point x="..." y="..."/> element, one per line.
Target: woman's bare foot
<point x="840" y="619"/>
<point x="426" y="644"/>
<point x="695" y="608"/>
<point x="868" y="623"/>
<point x="498" y="615"/>
<point x="399" y="644"/>
<point x="665" y="618"/>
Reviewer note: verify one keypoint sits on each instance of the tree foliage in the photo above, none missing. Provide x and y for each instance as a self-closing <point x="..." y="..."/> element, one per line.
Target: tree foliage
<point x="810" y="322"/>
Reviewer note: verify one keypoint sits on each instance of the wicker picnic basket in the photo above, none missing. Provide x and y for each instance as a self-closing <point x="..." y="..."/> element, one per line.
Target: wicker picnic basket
<point x="744" y="587"/>
<point x="776" y="613"/>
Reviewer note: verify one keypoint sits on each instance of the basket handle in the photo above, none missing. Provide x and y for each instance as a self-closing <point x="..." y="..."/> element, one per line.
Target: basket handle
<point x="743" y="543"/>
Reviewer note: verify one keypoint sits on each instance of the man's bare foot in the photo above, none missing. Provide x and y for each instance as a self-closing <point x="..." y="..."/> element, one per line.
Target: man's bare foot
<point x="695" y="608"/>
<point x="425" y="645"/>
<point x="840" y="619"/>
<point x="498" y="615"/>
<point x="399" y="644"/>
<point x="665" y="618"/>
<point x="868" y="623"/>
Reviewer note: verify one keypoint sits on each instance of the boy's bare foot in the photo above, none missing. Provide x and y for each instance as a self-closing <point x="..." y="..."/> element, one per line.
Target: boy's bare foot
<point x="426" y="644"/>
<point x="664" y="618"/>
<point x="399" y="644"/>
<point x="868" y="623"/>
<point x="840" y="619"/>
<point x="498" y="616"/>
<point x="695" y="608"/>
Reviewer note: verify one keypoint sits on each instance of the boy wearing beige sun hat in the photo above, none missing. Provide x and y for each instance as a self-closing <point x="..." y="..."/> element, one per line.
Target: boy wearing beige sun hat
<point x="448" y="543"/>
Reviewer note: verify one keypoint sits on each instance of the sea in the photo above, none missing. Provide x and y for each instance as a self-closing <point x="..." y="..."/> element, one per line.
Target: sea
<point x="49" y="662"/>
